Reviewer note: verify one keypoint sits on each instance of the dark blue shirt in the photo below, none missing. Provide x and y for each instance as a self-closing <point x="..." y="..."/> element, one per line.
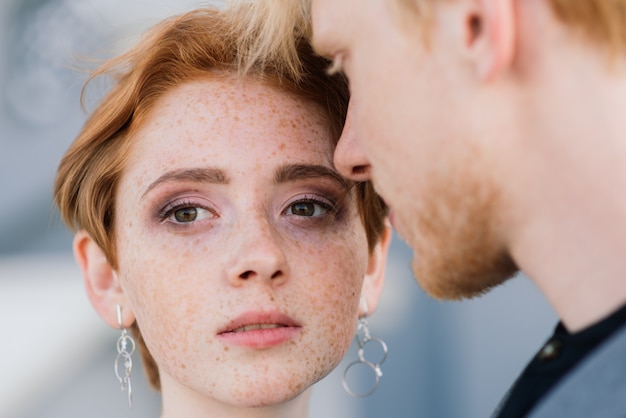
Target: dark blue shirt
<point x="556" y="358"/>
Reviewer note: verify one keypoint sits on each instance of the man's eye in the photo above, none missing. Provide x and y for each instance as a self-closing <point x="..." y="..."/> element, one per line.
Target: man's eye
<point x="336" y="65"/>
<point x="309" y="208"/>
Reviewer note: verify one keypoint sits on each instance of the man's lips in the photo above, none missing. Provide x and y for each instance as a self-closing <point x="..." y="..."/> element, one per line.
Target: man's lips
<point x="259" y="330"/>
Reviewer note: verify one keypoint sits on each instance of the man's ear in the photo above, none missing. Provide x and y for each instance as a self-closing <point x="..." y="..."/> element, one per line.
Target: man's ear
<point x="103" y="287"/>
<point x="490" y="33"/>
<point x="375" y="275"/>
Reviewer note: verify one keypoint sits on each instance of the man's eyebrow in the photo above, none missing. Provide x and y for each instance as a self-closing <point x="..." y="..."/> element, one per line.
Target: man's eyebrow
<point x="195" y="175"/>
<point x="293" y="172"/>
<point x="317" y="48"/>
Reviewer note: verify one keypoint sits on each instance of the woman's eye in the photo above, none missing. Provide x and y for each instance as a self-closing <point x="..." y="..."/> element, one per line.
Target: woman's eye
<point x="309" y="208"/>
<point x="189" y="214"/>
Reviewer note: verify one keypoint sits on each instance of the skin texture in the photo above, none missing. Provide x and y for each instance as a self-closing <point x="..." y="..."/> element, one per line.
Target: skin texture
<point x="428" y="166"/>
<point x="497" y="140"/>
<point x="245" y="250"/>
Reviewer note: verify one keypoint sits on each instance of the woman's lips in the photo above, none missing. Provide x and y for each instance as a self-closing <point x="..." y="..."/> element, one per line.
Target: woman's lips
<point x="259" y="330"/>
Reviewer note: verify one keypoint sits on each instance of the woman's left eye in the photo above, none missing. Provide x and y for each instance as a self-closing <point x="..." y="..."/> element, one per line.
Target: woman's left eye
<point x="309" y="208"/>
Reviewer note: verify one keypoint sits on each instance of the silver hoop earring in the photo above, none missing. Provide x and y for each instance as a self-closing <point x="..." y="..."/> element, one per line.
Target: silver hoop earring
<point x="362" y="338"/>
<point x="124" y="343"/>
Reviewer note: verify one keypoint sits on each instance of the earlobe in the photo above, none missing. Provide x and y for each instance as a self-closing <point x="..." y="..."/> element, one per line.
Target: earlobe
<point x="375" y="276"/>
<point x="491" y="36"/>
<point x="103" y="287"/>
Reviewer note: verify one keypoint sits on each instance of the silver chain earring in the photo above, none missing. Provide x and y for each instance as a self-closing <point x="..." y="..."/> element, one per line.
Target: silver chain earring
<point x="362" y="338"/>
<point x="124" y="343"/>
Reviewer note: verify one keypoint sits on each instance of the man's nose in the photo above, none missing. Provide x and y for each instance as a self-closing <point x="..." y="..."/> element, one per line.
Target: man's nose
<point x="349" y="158"/>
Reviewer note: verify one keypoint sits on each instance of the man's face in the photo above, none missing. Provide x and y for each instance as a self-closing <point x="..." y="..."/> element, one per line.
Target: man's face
<point x="414" y="118"/>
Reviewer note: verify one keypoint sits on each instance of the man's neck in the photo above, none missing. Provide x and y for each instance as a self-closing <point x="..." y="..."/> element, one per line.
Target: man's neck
<point x="579" y="267"/>
<point x="569" y="222"/>
<point x="570" y="234"/>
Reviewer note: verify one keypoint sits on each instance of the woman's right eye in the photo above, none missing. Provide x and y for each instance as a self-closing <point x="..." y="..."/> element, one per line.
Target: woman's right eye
<point x="187" y="214"/>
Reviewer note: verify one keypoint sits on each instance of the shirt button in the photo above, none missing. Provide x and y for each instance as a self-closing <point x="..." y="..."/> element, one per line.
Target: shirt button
<point x="551" y="350"/>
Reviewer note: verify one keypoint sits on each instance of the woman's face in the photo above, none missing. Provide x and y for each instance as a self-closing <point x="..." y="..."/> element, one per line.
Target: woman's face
<point x="241" y="252"/>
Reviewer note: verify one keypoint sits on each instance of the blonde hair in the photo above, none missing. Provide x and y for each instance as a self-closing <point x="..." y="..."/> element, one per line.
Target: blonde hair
<point x="274" y="23"/>
<point x="602" y="21"/>
<point x="202" y="43"/>
<point x="270" y="31"/>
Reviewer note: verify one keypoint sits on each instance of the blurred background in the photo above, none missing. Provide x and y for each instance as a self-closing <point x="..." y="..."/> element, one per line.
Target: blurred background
<point x="445" y="359"/>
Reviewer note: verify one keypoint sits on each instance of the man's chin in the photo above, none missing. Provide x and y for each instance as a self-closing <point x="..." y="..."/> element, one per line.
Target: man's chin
<point x="455" y="281"/>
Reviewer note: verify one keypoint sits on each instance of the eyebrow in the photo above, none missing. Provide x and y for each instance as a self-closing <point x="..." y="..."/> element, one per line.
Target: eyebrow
<point x="284" y="174"/>
<point x="294" y="172"/>
<point x="317" y="48"/>
<point x="196" y="175"/>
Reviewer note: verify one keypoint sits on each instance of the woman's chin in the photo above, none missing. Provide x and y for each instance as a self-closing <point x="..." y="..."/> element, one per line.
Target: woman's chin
<point x="264" y="397"/>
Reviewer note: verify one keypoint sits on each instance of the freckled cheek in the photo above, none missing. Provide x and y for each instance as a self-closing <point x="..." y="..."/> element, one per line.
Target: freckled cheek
<point x="333" y="291"/>
<point x="172" y="314"/>
<point x="168" y="290"/>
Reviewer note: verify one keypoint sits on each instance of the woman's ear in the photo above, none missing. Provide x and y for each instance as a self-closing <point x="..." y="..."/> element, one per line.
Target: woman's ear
<point x="375" y="275"/>
<point x="103" y="287"/>
<point x="491" y="29"/>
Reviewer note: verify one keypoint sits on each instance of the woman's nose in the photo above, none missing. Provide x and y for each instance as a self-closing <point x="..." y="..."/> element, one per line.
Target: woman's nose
<point x="350" y="160"/>
<point x="257" y="254"/>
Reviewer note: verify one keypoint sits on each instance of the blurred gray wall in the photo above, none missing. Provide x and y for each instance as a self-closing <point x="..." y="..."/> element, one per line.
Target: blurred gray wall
<point x="445" y="359"/>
